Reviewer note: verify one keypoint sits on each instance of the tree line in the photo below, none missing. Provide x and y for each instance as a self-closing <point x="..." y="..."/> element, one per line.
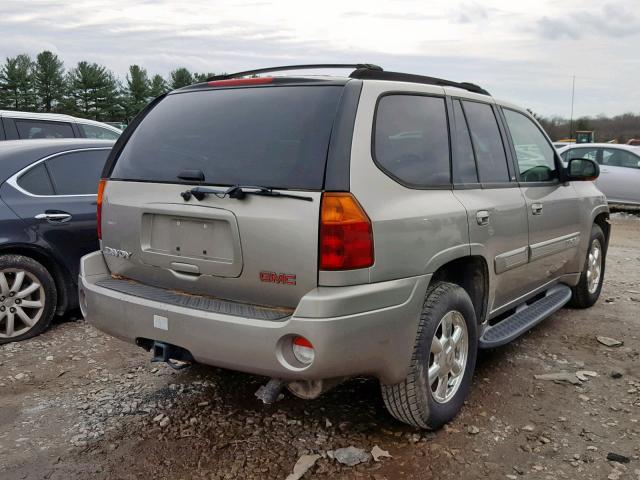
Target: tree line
<point x="619" y="128"/>
<point x="86" y="90"/>
<point x="93" y="91"/>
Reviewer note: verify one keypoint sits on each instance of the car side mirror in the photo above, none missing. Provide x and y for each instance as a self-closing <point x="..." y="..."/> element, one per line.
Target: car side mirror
<point x="582" y="169"/>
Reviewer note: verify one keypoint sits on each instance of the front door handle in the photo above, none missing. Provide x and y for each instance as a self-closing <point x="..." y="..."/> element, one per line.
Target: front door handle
<point x="536" y="208"/>
<point x="482" y="217"/>
<point x="54" y="217"/>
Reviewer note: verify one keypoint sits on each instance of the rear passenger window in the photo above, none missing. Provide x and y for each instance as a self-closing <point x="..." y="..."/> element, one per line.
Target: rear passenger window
<point x="77" y="173"/>
<point x="93" y="131"/>
<point x="464" y="163"/>
<point x="31" y="129"/>
<point x="411" y="140"/>
<point x="36" y="181"/>
<point x="487" y="142"/>
<point x="615" y="157"/>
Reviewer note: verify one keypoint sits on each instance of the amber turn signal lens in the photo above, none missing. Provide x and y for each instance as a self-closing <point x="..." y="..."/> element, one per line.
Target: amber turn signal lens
<point x="346" y="236"/>
<point x="101" y="185"/>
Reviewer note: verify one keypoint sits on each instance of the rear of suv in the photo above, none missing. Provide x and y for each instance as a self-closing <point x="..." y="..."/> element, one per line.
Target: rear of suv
<point x="310" y="229"/>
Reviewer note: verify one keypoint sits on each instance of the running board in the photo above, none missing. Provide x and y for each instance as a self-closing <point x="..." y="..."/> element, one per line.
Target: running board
<point x="525" y="318"/>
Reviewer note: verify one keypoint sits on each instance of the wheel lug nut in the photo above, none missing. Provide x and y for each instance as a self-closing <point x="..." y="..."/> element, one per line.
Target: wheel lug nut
<point x="18" y="301"/>
<point x="3" y="308"/>
<point x="11" y="294"/>
<point x="12" y="310"/>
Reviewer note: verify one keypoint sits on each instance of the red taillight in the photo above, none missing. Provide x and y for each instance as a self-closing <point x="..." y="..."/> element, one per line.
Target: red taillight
<point x="346" y="237"/>
<point x="234" y="82"/>
<point x="101" y="185"/>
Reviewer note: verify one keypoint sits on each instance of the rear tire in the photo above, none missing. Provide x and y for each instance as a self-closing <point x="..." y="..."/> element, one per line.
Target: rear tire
<point x="28" y="298"/>
<point x="587" y="292"/>
<point x="445" y="350"/>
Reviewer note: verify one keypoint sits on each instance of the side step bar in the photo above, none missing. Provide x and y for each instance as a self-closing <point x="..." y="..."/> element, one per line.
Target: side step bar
<point x="525" y="318"/>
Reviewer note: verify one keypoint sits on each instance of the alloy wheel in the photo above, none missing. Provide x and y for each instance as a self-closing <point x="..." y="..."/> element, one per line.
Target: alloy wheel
<point x="594" y="266"/>
<point x="448" y="356"/>
<point x="22" y="301"/>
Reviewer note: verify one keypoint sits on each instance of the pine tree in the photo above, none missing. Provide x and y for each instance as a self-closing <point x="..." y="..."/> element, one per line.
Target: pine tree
<point x="137" y="91"/>
<point x="181" y="77"/>
<point x="158" y="86"/>
<point x="48" y="80"/>
<point x="93" y="92"/>
<point x="16" y="83"/>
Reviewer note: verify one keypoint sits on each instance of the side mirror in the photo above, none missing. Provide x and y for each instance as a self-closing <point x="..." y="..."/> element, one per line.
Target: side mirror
<point x="581" y="169"/>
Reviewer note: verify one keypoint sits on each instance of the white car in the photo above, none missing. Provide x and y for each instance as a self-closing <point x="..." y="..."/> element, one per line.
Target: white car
<point x="559" y="145"/>
<point x="32" y="125"/>
<point x="619" y="169"/>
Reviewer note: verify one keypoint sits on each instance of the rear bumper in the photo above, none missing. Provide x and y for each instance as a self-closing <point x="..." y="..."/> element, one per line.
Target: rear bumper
<point x="356" y="330"/>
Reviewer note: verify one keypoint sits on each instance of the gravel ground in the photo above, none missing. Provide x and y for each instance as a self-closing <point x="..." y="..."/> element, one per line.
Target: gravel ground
<point x="76" y="404"/>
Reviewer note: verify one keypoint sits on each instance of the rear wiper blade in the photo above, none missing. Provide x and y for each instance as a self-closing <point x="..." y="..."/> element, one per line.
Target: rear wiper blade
<point x="238" y="192"/>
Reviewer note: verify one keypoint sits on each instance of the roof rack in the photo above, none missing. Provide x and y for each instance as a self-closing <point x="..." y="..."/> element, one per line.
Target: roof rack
<point x="361" y="71"/>
<point x="408" y="77"/>
<point x="313" y="66"/>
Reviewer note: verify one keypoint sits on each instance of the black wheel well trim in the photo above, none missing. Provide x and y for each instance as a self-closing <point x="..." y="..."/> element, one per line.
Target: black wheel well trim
<point x="472" y="274"/>
<point x="602" y="220"/>
<point x="61" y="276"/>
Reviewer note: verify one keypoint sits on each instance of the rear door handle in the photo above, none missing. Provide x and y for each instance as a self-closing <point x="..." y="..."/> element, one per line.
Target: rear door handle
<point x="57" y="217"/>
<point x="536" y="208"/>
<point x="482" y="217"/>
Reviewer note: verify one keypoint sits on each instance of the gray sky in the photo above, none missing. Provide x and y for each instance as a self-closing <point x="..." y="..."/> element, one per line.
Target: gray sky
<point x="525" y="52"/>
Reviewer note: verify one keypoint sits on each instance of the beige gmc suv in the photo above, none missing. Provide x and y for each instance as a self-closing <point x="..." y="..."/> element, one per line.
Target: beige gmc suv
<point x="314" y="228"/>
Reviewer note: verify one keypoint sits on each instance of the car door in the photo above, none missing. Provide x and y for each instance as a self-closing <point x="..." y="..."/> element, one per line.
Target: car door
<point x="486" y="187"/>
<point x="56" y="198"/>
<point x="552" y="206"/>
<point x="619" y="175"/>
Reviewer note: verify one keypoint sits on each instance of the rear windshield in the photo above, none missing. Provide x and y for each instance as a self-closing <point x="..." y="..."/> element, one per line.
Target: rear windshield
<point x="269" y="136"/>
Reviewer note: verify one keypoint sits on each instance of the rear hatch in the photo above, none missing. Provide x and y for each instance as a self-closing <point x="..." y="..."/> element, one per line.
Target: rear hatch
<point x="261" y="250"/>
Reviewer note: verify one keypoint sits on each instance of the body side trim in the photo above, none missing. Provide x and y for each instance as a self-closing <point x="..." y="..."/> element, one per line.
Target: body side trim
<point x="554" y="245"/>
<point x="512" y="259"/>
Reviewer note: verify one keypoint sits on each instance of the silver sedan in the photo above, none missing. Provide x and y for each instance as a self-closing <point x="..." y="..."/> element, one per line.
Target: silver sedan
<point x="619" y="169"/>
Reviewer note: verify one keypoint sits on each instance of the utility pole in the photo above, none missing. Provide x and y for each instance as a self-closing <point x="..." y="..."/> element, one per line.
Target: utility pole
<point x="573" y="94"/>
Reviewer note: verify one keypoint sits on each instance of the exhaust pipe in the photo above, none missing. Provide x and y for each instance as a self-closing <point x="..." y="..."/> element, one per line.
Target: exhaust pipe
<point x="311" y="389"/>
<point x="270" y="392"/>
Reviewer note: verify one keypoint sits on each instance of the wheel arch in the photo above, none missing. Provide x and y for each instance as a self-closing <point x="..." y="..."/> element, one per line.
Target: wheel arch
<point x="470" y="272"/>
<point x="602" y="220"/>
<point x="61" y="275"/>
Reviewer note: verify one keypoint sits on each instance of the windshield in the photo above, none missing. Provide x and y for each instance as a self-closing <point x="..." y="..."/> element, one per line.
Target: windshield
<point x="271" y="136"/>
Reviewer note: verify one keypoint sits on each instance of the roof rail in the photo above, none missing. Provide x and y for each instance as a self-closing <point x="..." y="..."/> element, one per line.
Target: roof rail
<point x="365" y="74"/>
<point x="361" y="71"/>
<point x="313" y="66"/>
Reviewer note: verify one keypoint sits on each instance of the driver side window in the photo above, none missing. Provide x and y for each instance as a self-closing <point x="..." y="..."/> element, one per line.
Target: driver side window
<point x="535" y="155"/>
